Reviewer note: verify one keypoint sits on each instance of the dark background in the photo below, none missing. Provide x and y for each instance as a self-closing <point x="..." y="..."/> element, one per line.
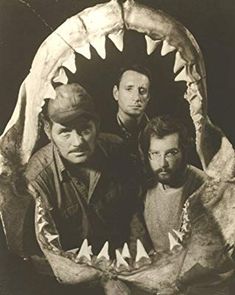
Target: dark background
<point x="212" y="22"/>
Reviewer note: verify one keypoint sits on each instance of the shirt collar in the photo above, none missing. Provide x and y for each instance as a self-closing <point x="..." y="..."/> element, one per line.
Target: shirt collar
<point x="141" y="125"/>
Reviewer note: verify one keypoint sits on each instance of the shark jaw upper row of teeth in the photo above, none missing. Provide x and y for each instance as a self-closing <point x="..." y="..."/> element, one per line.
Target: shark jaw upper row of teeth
<point x="180" y="65"/>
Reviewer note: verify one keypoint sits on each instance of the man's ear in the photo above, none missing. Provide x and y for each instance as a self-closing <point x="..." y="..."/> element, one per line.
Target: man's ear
<point x="47" y="129"/>
<point x="115" y="92"/>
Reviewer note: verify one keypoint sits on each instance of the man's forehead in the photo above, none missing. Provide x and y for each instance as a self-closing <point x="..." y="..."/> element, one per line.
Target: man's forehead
<point x="164" y="143"/>
<point x="131" y="76"/>
<point x="79" y="122"/>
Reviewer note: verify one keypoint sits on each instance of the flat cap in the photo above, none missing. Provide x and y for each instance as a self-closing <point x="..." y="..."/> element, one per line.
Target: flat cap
<point x="71" y="101"/>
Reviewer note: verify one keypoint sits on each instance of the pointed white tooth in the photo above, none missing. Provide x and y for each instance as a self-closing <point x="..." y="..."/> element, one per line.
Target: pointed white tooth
<point x="39" y="217"/>
<point x="166" y="48"/>
<point x="120" y="261"/>
<point x="70" y="63"/>
<point x="113" y="264"/>
<point x="41" y="225"/>
<point x="84" y="251"/>
<point x="182" y="76"/>
<point x="179" y="234"/>
<point x="151" y="44"/>
<point x="99" y="45"/>
<point x="90" y="250"/>
<point x="61" y="77"/>
<point x="51" y="237"/>
<point x="172" y="241"/>
<point x="39" y="212"/>
<point x="179" y="62"/>
<point x="117" y="39"/>
<point x="84" y="50"/>
<point x="104" y="251"/>
<point x="185" y="227"/>
<point x="186" y="217"/>
<point x="126" y="252"/>
<point x="231" y="249"/>
<point x="194" y="73"/>
<point x="50" y="92"/>
<point x="140" y="251"/>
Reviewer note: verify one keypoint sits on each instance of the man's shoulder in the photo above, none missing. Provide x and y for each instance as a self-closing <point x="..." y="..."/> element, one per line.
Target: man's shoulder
<point x="116" y="154"/>
<point x="39" y="162"/>
<point x="110" y="143"/>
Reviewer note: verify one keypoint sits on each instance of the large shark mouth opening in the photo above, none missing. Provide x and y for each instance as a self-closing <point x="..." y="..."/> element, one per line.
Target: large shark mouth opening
<point x="91" y="39"/>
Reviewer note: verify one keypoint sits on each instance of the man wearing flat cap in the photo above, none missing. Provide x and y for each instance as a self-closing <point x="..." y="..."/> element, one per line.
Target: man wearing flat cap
<point x="82" y="177"/>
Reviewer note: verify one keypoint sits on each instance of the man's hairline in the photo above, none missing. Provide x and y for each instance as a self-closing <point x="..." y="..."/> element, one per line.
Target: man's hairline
<point x="119" y="81"/>
<point x="50" y="122"/>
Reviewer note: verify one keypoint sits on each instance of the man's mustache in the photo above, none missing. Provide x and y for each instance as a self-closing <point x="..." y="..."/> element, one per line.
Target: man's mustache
<point x="167" y="170"/>
<point x="81" y="149"/>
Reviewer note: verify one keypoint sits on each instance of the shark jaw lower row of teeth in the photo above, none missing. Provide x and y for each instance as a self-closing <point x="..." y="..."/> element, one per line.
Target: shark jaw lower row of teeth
<point x="123" y="260"/>
<point x="85" y="254"/>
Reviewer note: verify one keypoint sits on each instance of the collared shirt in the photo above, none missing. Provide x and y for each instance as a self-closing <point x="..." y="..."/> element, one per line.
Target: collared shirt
<point x="127" y="134"/>
<point x="99" y="212"/>
<point x="130" y="138"/>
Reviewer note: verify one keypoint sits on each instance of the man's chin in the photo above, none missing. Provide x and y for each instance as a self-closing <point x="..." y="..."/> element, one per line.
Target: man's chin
<point x="164" y="178"/>
<point x="135" y="112"/>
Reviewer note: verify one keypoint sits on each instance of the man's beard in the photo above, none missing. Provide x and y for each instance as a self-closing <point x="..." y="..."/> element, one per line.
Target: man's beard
<point x="171" y="177"/>
<point x="164" y="175"/>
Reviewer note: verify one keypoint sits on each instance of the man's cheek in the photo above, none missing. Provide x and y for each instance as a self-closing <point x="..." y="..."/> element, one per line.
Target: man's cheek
<point x="63" y="145"/>
<point x="92" y="142"/>
<point x="154" y="167"/>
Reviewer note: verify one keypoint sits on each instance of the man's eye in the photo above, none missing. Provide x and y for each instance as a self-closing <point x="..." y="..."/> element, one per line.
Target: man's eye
<point x="175" y="152"/>
<point x="154" y="155"/>
<point x="86" y="131"/>
<point x="128" y="88"/>
<point x="172" y="153"/>
<point x="143" y="91"/>
<point x="65" y="131"/>
<point x="65" y="134"/>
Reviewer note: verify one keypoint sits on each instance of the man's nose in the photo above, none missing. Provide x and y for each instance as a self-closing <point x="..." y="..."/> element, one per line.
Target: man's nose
<point x="163" y="161"/>
<point x="76" y="138"/>
<point x="136" y="96"/>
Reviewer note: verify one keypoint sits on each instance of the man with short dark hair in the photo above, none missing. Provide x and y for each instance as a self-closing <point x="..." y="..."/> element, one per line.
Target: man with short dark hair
<point x="83" y="177"/>
<point x="132" y="93"/>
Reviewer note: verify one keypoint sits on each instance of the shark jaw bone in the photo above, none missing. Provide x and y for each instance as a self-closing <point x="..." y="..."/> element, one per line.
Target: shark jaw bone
<point x="188" y="66"/>
<point x="91" y="27"/>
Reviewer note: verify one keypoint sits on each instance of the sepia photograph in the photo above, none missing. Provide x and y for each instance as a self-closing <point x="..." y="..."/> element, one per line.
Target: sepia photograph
<point x="117" y="163"/>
